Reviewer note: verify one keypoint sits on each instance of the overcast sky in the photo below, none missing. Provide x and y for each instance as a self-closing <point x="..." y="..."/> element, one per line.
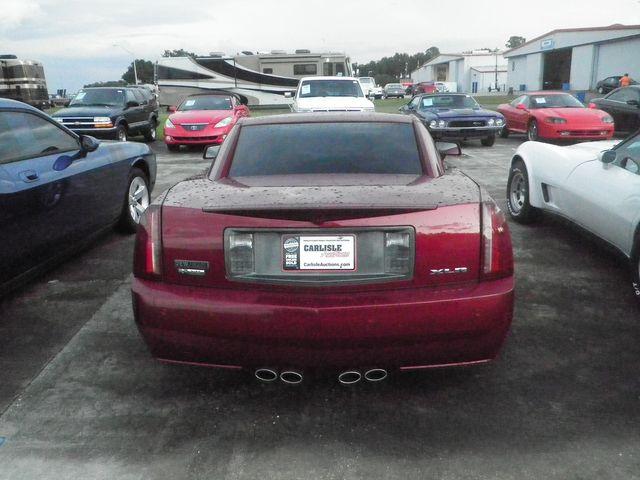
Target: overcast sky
<point x="74" y="39"/>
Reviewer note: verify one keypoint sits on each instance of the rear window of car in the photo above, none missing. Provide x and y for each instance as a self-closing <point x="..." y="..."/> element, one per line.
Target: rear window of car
<point x="326" y="148"/>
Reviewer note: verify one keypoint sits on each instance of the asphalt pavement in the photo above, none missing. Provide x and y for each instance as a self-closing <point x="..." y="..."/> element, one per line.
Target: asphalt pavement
<point x="80" y="397"/>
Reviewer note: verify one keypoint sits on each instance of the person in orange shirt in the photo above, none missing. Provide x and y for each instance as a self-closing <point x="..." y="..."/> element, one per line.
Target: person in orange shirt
<point x="625" y="81"/>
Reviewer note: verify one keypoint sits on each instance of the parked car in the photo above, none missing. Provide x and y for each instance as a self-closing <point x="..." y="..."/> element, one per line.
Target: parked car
<point x="333" y="241"/>
<point x="594" y="184"/>
<point x="203" y="119"/>
<point x="455" y="116"/>
<point x="554" y="116"/>
<point x="424" y="87"/>
<point x="394" y="90"/>
<point x="58" y="190"/>
<point x="610" y="83"/>
<point x="330" y="94"/>
<point x="112" y="112"/>
<point x="370" y="88"/>
<point x="623" y="105"/>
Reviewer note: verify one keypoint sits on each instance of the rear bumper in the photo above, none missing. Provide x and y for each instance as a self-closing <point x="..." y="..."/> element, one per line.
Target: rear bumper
<point x="404" y="329"/>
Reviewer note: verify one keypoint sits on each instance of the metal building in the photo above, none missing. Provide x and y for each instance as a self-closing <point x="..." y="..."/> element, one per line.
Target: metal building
<point x="574" y="58"/>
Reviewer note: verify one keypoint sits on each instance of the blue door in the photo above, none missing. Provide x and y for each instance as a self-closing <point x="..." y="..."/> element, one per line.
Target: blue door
<point x="51" y="194"/>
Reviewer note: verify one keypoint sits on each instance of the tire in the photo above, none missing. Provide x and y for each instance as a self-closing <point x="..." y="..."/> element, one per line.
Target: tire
<point x="518" y="195"/>
<point x="173" y="148"/>
<point x="150" y="133"/>
<point x="504" y="133"/>
<point x="135" y="202"/>
<point x="489" y="141"/>
<point x="121" y="133"/>
<point x="532" y="131"/>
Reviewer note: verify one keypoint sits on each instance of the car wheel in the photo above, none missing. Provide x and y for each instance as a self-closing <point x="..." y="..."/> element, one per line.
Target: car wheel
<point x="136" y="201"/>
<point x="151" y="133"/>
<point x="504" y="132"/>
<point x="489" y="141"/>
<point x="173" y="148"/>
<point x="121" y="133"/>
<point x="532" y="131"/>
<point x="518" y="194"/>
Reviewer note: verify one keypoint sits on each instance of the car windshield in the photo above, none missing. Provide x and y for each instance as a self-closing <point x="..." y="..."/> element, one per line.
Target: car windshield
<point x="213" y="102"/>
<point x="394" y="85"/>
<point x="555" y="101"/>
<point x="100" y="96"/>
<point x="330" y="88"/>
<point x="326" y="148"/>
<point x="448" y="101"/>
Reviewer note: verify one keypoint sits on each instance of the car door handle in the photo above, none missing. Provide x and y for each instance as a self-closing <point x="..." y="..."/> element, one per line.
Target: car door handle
<point x="29" y="176"/>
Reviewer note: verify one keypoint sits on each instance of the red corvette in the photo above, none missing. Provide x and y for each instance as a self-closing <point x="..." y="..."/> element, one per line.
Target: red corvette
<point x="332" y="241"/>
<point x="203" y="119"/>
<point x="554" y="115"/>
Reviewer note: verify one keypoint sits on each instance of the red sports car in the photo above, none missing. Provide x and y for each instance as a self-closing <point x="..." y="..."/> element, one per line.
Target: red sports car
<point x="203" y="119"/>
<point x="332" y="241"/>
<point x="554" y="115"/>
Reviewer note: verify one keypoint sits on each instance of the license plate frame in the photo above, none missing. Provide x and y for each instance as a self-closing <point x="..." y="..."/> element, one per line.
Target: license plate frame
<point x="317" y="253"/>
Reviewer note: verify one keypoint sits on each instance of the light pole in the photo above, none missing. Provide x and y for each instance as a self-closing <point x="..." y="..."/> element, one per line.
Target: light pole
<point x="135" y="71"/>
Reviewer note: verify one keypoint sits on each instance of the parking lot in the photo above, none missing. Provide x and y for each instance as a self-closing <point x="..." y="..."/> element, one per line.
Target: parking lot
<point x="81" y="397"/>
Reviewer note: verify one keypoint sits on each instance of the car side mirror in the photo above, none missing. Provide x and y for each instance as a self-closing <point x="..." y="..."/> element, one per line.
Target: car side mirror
<point x="131" y="104"/>
<point x="171" y="109"/>
<point x="521" y="106"/>
<point x="446" y="148"/>
<point x="288" y="94"/>
<point x="88" y="143"/>
<point x="211" y="152"/>
<point x="608" y="156"/>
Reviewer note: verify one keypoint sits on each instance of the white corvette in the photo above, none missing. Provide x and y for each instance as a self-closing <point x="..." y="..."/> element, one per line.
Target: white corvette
<point x="594" y="184"/>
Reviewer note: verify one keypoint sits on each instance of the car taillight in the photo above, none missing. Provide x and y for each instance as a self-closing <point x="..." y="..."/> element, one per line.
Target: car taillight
<point x="397" y="252"/>
<point x="240" y="254"/>
<point x="593" y="105"/>
<point x="147" y="261"/>
<point x="497" y="253"/>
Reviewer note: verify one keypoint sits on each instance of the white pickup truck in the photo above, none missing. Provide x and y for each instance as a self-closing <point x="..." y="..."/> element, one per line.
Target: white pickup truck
<point x="330" y="94"/>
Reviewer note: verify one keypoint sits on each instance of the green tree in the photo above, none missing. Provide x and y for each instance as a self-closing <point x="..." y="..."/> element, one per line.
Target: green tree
<point x="144" y="68"/>
<point x="400" y="65"/>
<point x="181" y="52"/>
<point x="515" y="41"/>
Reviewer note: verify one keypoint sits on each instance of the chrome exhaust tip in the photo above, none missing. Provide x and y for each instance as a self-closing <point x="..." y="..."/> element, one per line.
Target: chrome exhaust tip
<point x="291" y="377"/>
<point x="349" y="377"/>
<point x="375" y="375"/>
<point x="266" y="375"/>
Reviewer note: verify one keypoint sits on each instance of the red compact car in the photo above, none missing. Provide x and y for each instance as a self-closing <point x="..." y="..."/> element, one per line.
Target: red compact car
<point x="325" y="241"/>
<point x="554" y="115"/>
<point x="204" y="119"/>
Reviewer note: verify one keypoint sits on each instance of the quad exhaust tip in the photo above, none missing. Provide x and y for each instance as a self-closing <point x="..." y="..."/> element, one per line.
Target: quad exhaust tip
<point x="375" y="375"/>
<point x="349" y="377"/>
<point x="291" y="377"/>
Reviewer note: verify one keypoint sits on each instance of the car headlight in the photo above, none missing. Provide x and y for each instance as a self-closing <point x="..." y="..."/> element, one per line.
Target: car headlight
<point x="491" y="122"/>
<point x="607" y="119"/>
<point x="555" y="120"/>
<point x="225" y="122"/>
<point x="433" y="124"/>
<point x="168" y="124"/>
<point x="58" y="119"/>
<point x="499" y="122"/>
<point x="442" y="124"/>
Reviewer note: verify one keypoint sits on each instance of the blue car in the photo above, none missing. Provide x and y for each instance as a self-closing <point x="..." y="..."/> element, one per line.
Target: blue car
<point x="455" y="117"/>
<point x="59" y="190"/>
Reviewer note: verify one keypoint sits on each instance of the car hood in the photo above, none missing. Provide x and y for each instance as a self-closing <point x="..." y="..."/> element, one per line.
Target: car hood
<point x="199" y="116"/>
<point x="593" y="148"/>
<point x="88" y="111"/>
<point x="324" y="192"/>
<point x="447" y="113"/>
<point x="333" y="103"/>
<point x="577" y="114"/>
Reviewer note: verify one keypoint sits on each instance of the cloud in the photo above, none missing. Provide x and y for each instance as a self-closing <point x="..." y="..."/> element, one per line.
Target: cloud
<point x="17" y="12"/>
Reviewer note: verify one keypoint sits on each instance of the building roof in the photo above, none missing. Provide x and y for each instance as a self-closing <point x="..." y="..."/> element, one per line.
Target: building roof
<point x="611" y="28"/>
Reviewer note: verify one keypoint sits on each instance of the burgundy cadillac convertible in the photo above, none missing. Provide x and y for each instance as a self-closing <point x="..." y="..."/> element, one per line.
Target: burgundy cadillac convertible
<point x="328" y="241"/>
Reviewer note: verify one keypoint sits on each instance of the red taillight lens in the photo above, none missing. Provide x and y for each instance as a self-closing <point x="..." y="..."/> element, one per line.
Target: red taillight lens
<point x="593" y="105"/>
<point x="147" y="260"/>
<point x="497" y="253"/>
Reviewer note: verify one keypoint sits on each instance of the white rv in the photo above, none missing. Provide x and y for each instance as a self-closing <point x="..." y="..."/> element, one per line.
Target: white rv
<point x="262" y="79"/>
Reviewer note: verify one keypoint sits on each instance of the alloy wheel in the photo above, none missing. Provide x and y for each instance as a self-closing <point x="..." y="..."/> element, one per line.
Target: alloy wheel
<point x="517" y="192"/>
<point x="138" y="198"/>
<point x="122" y="135"/>
<point x="533" y="132"/>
